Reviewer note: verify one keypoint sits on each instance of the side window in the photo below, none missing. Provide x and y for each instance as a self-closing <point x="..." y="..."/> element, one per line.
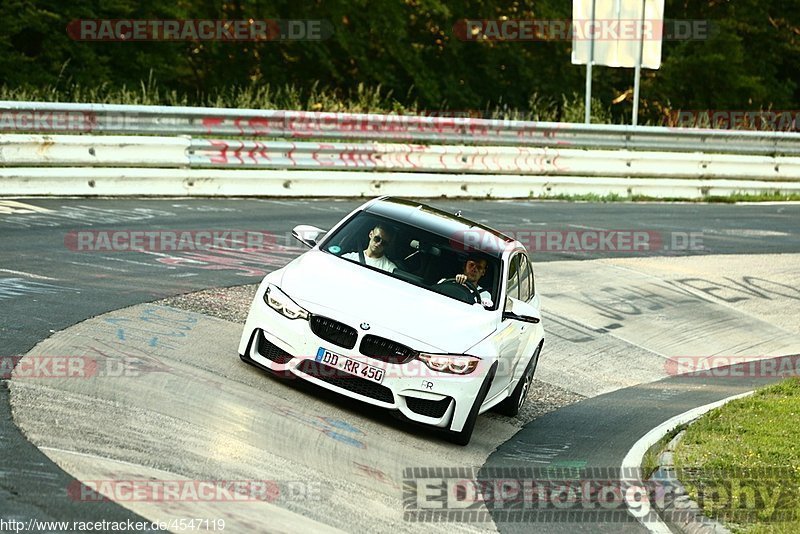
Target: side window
<point x="512" y="286"/>
<point x="525" y="279"/>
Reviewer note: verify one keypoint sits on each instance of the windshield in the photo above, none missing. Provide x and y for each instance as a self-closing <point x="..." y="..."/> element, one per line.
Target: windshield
<point x="434" y="262"/>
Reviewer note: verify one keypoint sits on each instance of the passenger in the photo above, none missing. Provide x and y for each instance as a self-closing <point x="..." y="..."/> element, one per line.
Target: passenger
<point x="379" y="239"/>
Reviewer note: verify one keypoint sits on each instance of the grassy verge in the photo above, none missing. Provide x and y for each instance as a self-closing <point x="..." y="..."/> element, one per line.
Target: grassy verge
<point x="651" y="460"/>
<point x="741" y="463"/>
<point x="364" y="99"/>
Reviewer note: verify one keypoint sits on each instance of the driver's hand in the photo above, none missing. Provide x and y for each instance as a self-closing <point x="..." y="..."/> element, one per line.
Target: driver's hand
<point x="461" y="278"/>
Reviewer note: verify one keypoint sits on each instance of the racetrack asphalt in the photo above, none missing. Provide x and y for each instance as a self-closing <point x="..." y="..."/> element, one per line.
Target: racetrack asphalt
<point x="47" y="287"/>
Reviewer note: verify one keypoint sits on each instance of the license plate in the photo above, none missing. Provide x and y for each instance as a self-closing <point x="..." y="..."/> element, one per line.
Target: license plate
<point x="350" y="365"/>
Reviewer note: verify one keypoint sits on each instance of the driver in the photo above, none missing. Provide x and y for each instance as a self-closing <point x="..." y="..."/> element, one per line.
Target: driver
<point x="379" y="238"/>
<point x="470" y="275"/>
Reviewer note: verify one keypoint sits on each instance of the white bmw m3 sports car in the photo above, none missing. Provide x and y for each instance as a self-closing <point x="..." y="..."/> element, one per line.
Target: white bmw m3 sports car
<point x="405" y="307"/>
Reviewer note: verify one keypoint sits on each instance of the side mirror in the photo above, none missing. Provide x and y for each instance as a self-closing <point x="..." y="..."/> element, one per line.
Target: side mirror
<point x="307" y="235"/>
<point x="521" y="311"/>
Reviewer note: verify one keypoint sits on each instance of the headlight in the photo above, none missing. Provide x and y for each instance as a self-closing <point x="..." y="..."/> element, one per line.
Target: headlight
<point x="450" y="363"/>
<point x="280" y="302"/>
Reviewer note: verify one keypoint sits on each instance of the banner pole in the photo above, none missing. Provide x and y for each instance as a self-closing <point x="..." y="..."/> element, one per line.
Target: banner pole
<point x="638" y="73"/>
<point x="587" y="114"/>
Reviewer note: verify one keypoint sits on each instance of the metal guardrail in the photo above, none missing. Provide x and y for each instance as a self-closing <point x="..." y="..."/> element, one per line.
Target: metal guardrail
<point x="540" y="161"/>
<point x="37" y="117"/>
<point x="89" y="149"/>
<point x="19" y="150"/>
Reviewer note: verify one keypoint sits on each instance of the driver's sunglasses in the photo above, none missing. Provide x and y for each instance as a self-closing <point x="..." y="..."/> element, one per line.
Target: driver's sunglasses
<point x="378" y="240"/>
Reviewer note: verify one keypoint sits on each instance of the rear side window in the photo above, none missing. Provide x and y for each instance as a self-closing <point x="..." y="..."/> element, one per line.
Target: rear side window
<point x="525" y="279"/>
<point x="512" y="286"/>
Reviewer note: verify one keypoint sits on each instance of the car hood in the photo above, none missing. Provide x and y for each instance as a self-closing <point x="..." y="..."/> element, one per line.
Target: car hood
<point x="353" y="294"/>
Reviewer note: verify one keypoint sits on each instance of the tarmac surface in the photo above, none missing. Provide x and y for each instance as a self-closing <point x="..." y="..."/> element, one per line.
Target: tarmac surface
<point x="722" y="282"/>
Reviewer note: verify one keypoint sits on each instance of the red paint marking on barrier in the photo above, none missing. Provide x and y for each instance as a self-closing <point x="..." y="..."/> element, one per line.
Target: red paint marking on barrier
<point x="360" y="157"/>
<point x="522" y="153"/>
<point x="496" y="160"/>
<point x="345" y="154"/>
<point x="411" y="156"/>
<point x="348" y="156"/>
<point x="480" y="157"/>
<point x="295" y="125"/>
<point x="408" y="157"/>
<point x="456" y="159"/>
<point x="210" y="122"/>
<point x="320" y="148"/>
<point x="521" y="161"/>
<point x="556" y="165"/>
<point x="356" y="156"/>
<point x="559" y="141"/>
<point x="91" y="120"/>
<point x="420" y="151"/>
<point x="374" y="159"/>
<point x="223" y="157"/>
<point x="238" y="124"/>
<point x="253" y="151"/>
<point x="263" y="153"/>
<point x="259" y="126"/>
<point x="238" y="152"/>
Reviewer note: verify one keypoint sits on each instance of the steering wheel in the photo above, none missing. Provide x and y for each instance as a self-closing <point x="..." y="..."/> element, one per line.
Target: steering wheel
<point x="466" y="292"/>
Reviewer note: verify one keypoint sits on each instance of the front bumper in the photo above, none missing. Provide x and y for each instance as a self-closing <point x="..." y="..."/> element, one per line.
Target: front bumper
<point x="288" y="347"/>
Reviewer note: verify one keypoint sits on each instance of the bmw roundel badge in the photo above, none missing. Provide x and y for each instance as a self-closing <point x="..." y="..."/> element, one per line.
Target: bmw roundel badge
<point x="364" y="326"/>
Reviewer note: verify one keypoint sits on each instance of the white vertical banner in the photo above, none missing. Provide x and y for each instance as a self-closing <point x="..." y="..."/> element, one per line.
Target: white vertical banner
<point x="619" y="28"/>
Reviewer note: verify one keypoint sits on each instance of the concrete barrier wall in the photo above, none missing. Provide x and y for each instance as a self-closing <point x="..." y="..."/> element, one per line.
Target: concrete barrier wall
<point x="93" y="151"/>
<point x="106" y="181"/>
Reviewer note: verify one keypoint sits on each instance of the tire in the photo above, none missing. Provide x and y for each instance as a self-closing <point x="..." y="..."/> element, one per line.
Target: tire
<point x="463" y="436"/>
<point x="512" y="405"/>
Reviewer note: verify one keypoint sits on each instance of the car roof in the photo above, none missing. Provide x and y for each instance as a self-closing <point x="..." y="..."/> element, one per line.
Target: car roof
<point x="473" y="235"/>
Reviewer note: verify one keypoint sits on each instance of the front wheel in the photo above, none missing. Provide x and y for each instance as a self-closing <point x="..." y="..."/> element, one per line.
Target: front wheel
<point x="463" y="436"/>
<point x="512" y="405"/>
